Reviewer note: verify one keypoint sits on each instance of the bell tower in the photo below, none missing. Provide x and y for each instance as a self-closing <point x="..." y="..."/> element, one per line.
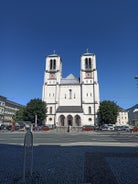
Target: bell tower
<point x="88" y="66"/>
<point x="53" y="72"/>
<point x="52" y="79"/>
<point x="89" y="86"/>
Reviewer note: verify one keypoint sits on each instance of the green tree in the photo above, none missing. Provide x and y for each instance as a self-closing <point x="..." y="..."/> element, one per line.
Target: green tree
<point x="35" y="107"/>
<point x="108" y="112"/>
<point x="19" y="116"/>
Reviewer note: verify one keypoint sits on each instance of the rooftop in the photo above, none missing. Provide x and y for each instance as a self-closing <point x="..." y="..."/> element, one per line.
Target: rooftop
<point x="70" y="79"/>
<point x="71" y="109"/>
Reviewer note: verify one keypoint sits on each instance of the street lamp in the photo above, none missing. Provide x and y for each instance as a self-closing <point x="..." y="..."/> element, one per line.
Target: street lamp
<point x="35" y="121"/>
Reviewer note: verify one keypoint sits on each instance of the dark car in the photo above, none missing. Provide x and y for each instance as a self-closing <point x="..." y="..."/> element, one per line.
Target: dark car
<point x="9" y="127"/>
<point x="2" y="127"/>
<point x="118" y="128"/>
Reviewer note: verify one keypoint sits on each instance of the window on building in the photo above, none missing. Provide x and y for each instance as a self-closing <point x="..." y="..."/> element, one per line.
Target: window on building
<point x="88" y="63"/>
<point x="70" y="93"/>
<point x="89" y="110"/>
<point x="50" y="110"/>
<point x="52" y="64"/>
<point x="0" y="110"/>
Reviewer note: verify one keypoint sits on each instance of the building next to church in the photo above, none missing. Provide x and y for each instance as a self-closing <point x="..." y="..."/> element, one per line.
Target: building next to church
<point x="122" y="118"/>
<point x="8" y="108"/>
<point x="71" y="101"/>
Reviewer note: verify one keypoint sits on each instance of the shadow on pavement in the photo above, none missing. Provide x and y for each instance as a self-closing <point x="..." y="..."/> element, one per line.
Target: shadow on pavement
<point x="53" y="164"/>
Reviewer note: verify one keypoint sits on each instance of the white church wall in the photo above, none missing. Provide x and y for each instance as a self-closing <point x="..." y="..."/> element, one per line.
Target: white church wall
<point x="87" y="91"/>
<point x="70" y="95"/>
<point x="50" y="94"/>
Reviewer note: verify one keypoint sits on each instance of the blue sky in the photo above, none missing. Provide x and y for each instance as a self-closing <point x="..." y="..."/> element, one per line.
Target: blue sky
<point x="32" y="29"/>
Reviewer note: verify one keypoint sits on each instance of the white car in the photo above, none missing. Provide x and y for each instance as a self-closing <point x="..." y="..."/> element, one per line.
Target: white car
<point x="107" y="127"/>
<point x="110" y="127"/>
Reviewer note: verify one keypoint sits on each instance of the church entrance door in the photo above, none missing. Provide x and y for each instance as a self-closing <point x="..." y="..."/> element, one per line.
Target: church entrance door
<point x="70" y="120"/>
<point x="77" y="120"/>
<point x="62" y="120"/>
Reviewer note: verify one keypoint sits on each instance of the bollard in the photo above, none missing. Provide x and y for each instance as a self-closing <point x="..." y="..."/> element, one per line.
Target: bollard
<point x="28" y="152"/>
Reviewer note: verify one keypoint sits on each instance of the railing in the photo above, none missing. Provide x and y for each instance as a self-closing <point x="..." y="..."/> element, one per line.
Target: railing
<point x="66" y="129"/>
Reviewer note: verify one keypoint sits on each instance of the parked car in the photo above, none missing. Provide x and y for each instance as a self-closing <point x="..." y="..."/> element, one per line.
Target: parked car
<point x="103" y="127"/>
<point x="107" y="127"/>
<point x="87" y="128"/>
<point x="134" y="129"/>
<point x="2" y="127"/>
<point x="17" y="127"/>
<point x="45" y="128"/>
<point x="96" y="128"/>
<point x="118" y="128"/>
<point x="110" y="127"/>
<point x="9" y="127"/>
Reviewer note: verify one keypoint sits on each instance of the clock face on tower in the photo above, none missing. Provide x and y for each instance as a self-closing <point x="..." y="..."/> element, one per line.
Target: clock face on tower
<point x="88" y="74"/>
<point x="52" y="75"/>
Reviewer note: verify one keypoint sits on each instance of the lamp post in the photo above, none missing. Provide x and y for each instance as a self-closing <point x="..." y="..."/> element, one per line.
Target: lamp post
<point x="35" y="121"/>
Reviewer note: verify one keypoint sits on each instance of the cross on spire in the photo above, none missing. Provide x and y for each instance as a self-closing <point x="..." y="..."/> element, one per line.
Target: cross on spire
<point x="87" y="50"/>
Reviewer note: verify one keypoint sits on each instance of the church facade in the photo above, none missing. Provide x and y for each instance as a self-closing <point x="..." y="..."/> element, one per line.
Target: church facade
<point x="71" y="101"/>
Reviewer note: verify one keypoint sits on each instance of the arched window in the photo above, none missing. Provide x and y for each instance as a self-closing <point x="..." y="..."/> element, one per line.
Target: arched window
<point x="54" y="64"/>
<point x="90" y="63"/>
<point x="77" y="120"/>
<point x="50" y="64"/>
<point x="62" y="120"/>
<point x="86" y="64"/>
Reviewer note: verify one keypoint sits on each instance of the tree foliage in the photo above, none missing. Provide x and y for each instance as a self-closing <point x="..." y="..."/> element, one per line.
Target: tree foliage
<point x="34" y="107"/>
<point x="108" y="112"/>
<point x="19" y="116"/>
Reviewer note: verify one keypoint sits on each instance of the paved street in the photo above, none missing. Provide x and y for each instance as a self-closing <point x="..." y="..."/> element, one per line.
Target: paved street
<point x="72" y="158"/>
<point x="64" y="138"/>
<point x="58" y="138"/>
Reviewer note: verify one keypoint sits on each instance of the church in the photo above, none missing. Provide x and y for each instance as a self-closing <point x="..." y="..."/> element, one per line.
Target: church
<point x="71" y="101"/>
